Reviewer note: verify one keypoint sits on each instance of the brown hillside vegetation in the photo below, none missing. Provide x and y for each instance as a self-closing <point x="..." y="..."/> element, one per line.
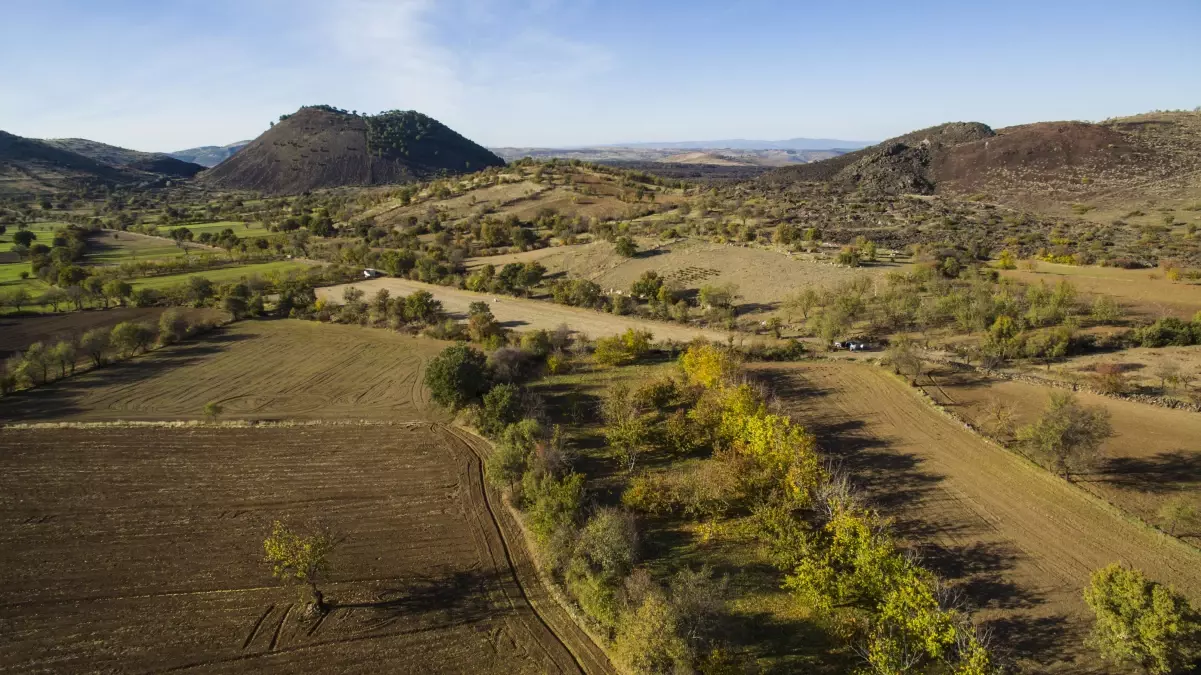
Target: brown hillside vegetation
<point x="1047" y="167"/>
<point x="321" y="147"/>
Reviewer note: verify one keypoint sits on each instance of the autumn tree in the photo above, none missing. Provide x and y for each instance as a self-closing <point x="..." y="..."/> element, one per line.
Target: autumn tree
<point x="303" y="558"/>
<point x="1142" y="622"/>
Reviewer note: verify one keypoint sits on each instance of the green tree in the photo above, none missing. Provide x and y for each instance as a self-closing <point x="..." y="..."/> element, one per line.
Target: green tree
<point x="95" y="343"/>
<point x="303" y="558"/>
<point x="1141" y="622"/>
<point x="117" y="290"/>
<point x="457" y="376"/>
<point x="501" y="407"/>
<point x="625" y="247"/>
<point x="1068" y="435"/>
<point x="213" y="410"/>
<point x="129" y="338"/>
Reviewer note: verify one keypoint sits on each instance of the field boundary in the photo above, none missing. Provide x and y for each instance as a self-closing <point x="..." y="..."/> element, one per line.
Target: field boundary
<point x="1105" y="504"/>
<point x="525" y="562"/>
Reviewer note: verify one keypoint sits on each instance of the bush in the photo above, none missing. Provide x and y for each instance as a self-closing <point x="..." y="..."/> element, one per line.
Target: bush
<point x="625" y="247"/>
<point x="1068" y="435"/>
<point x="1141" y="622"/>
<point x="708" y="365"/>
<point x="622" y="349"/>
<point x="457" y="376"/>
<point x="501" y="407"/>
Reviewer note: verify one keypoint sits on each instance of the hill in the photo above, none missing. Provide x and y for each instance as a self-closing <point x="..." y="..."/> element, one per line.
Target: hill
<point x="209" y="155"/>
<point x="323" y="147"/>
<point x="124" y="158"/>
<point x="30" y="165"/>
<point x="1060" y="168"/>
<point x="745" y="144"/>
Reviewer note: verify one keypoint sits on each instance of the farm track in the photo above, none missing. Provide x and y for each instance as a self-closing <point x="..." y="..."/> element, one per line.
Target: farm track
<point x="1019" y="542"/>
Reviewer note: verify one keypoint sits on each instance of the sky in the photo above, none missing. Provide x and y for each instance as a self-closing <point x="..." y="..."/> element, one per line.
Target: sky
<point x="167" y="75"/>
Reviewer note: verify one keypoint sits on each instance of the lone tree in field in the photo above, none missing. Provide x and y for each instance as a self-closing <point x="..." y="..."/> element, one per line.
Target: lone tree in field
<point x="457" y="376"/>
<point x="1141" y="622"/>
<point x="1068" y="435"/>
<point x="303" y="558"/>
<point x="213" y="410"/>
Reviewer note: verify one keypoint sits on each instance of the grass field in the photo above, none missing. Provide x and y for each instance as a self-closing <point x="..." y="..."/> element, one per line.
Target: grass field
<point x="1018" y="542"/>
<point x="243" y="230"/>
<point x="256" y="370"/>
<point x="139" y="549"/>
<point x="42" y="230"/>
<point x="114" y="248"/>
<point x="1145" y="292"/>
<point x="764" y="278"/>
<point x="224" y="275"/>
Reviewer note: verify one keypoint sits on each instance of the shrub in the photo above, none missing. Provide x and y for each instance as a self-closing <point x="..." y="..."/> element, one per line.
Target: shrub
<point x="1068" y="435"/>
<point x="625" y="247"/>
<point x="457" y="376"/>
<point x="553" y="503"/>
<point x="1141" y="622"/>
<point x="622" y="349"/>
<point x="708" y="365"/>
<point x="501" y="407"/>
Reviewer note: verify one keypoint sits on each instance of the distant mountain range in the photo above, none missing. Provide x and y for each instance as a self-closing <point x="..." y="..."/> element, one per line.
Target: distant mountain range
<point x="209" y="155"/>
<point x="745" y="144"/>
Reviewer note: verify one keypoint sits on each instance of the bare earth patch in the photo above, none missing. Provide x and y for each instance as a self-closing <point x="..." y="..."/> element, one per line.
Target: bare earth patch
<point x="139" y="549"/>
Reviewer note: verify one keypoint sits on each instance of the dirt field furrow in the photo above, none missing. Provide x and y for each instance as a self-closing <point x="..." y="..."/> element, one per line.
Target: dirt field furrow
<point x="139" y="548"/>
<point x="1019" y="542"/>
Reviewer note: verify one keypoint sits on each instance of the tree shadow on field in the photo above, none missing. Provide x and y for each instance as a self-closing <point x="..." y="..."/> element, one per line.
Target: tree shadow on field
<point x="1043" y="640"/>
<point x="450" y="599"/>
<point x="62" y="398"/>
<point x="1165" y="472"/>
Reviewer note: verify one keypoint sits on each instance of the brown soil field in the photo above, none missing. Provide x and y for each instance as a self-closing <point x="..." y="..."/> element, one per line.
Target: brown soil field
<point x="139" y="549"/>
<point x="1017" y="541"/>
<point x="764" y="278"/>
<point x="1141" y="367"/>
<point x="522" y="314"/>
<point x="1153" y="456"/>
<point x="1146" y="292"/>
<point x="16" y="333"/>
<point x="258" y="370"/>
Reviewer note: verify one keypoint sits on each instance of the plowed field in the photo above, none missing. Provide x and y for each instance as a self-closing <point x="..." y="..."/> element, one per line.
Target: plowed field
<point x="254" y="370"/>
<point x="1017" y="541"/>
<point x="139" y="549"/>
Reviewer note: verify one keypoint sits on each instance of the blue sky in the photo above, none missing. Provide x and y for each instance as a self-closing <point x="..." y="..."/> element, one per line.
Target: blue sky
<point x="164" y="75"/>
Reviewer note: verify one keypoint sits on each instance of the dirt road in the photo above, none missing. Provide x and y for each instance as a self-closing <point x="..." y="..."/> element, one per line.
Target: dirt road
<point x="1018" y="542"/>
<point x="522" y="314"/>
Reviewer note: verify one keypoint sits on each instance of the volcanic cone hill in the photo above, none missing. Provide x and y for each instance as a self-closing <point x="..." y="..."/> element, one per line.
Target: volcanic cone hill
<point x="323" y="147"/>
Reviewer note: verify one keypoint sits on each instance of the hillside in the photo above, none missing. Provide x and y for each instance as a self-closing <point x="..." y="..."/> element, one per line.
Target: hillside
<point x="124" y="158"/>
<point x="322" y="147"/>
<point x="209" y="155"/>
<point x="1060" y="168"/>
<point x="30" y="165"/>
